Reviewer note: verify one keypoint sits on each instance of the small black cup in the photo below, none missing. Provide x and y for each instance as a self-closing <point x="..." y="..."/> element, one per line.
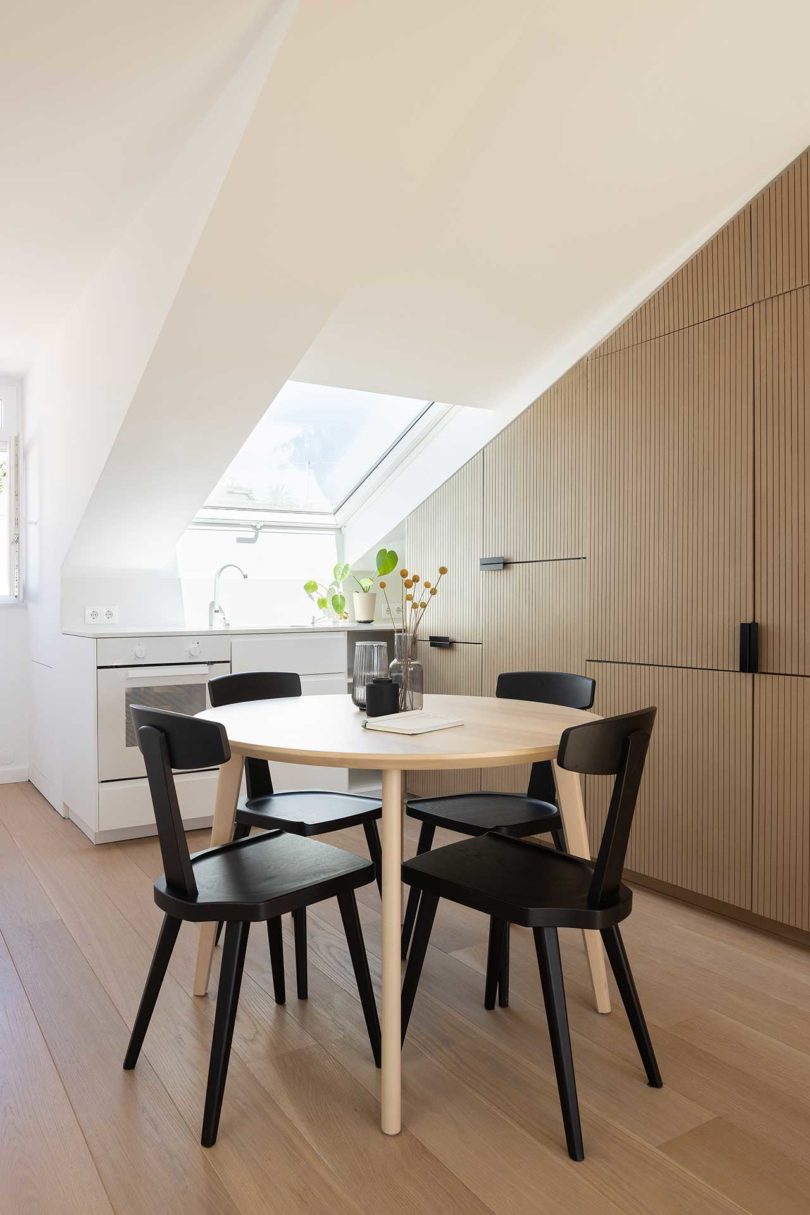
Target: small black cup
<point x="382" y="697"/>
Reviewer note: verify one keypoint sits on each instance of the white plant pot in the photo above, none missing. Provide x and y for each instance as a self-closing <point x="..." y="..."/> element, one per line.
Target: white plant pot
<point x="365" y="605"/>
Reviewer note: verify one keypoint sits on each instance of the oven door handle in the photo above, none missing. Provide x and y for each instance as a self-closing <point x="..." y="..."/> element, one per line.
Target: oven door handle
<point x="187" y="670"/>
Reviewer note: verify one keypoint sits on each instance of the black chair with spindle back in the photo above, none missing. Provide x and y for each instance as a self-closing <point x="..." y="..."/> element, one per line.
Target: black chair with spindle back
<point x="530" y="884"/>
<point x="533" y="813"/>
<point x="298" y="811"/>
<point x="248" y="881"/>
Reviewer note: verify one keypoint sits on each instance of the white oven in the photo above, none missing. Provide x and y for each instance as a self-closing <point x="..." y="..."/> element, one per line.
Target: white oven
<point x="162" y="672"/>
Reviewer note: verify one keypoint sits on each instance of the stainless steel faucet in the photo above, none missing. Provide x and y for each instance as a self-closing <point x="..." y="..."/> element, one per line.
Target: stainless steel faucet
<point x="215" y="612"/>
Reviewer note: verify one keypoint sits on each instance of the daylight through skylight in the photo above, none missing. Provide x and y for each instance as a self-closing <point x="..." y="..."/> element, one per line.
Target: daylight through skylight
<point x="312" y="448"/>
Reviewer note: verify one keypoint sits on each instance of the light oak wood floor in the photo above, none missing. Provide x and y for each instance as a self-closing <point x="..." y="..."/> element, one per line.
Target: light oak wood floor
<point x="729" y="1010"/>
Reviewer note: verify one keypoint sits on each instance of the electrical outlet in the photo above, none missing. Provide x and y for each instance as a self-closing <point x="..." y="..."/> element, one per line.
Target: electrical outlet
<point x="110" y="615"/>
<point x="101" y="615"/>
<point x="92" y="615"/>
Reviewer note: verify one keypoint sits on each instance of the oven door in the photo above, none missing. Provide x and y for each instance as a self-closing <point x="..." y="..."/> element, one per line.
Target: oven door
<point x="181" y="688"/>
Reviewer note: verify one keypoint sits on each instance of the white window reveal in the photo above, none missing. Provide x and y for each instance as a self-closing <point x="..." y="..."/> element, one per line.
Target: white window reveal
<point x="10" y="564"/>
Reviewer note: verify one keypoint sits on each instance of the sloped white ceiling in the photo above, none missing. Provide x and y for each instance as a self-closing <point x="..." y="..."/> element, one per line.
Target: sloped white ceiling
<point x="447" y="201"/>
<point x="96" y="100"/>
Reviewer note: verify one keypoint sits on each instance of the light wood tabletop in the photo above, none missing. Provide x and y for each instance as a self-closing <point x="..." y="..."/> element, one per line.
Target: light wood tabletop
<point x="328" y="731"/>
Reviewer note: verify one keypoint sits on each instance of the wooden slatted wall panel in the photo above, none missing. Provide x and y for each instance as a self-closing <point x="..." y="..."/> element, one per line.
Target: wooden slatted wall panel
<point x="533" y="476"/>
<point x="716" y="280"/>
<point x="694" y="819"/>
<point x="671" y="497"/>
<point x="455" y="672"/>
<point x="534" y="619"/>
<point x="781" y="888"/>
<point x="782" y="360"/>
<point x="446" y="530"/>
<point x="780" y="231"/>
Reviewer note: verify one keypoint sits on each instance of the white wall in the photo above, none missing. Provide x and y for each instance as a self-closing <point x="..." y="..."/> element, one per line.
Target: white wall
<point x="14" y="693"/>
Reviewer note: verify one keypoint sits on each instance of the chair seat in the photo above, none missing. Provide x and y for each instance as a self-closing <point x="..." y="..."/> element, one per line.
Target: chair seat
<point x="478" y="813"/>
<point x="264" y="876"/>
<point x="308" y="811"/>
<point x="515" y="880"/>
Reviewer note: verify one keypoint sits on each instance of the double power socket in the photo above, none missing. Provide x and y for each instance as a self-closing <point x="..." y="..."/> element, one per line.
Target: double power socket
<point x="101" y="615"/>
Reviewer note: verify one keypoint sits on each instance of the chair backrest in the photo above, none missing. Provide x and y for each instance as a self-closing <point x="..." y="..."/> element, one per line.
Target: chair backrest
<point x="254" y="685"/>
<point x="172" y="741"/>
<point x="614" y="746"/>
<point x="548" y="688"/>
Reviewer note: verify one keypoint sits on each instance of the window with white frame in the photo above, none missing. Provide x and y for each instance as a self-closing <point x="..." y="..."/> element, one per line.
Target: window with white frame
<point x="10" y="571"/>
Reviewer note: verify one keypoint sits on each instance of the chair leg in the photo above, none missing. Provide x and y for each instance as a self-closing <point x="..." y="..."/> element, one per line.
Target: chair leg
<point x="494" y="955"/>
<point x="240" y="832"/>
<point x="558" y="836"/>
<point x="547" y="945"/>
<point x="230" y="980"/>
<point x="374" y="850"/>
<point x="299" y="917"/>
<point x="425" y="844"/>
<point x="421" y="937"/>
<point x="503" y="974"/>
<point x="354" y="937"/>
<point x="614" y="947"/>
<point x="276" y="944"/>
<point x="154" y="981"/>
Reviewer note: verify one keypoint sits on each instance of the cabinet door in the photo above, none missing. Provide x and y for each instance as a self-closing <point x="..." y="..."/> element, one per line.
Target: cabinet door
<point x="671" y="492"/>
<point x="534" y="505"/>
<point x="446" y="530"/>
<point x="455" y="671"/>
<point x="782" y="345"/>
<point x="694" y="817"/>
<point x="781" y="802"/>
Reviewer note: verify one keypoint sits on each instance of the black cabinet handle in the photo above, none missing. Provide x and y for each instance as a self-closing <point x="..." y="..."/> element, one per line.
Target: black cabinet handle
<point x="749" y="647"/>
<point x="492" y="563"/>
<point x="440" y="643"/>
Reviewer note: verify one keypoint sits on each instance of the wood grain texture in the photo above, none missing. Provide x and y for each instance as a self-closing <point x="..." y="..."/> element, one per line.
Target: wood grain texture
<point x="534" y="477"/>
<point x="782" y="515"/>
<point x="671" y="497"/>
<point x="446" y="529"/>
<point x="456" y="671"/>
<point x="780" y="232"/>
<point x="781" y="883"/>
<point x="534" y="619"/>
<point x="716" y="280"/>
<point x="693" y="824"/>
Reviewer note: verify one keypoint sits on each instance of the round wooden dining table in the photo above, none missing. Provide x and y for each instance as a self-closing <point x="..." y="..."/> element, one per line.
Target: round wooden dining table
<point x="328" y="731"/>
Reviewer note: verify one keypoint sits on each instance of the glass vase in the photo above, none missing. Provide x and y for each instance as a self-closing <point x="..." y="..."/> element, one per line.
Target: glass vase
<point x="370" y="662"/>
<point x="407" y="672"/>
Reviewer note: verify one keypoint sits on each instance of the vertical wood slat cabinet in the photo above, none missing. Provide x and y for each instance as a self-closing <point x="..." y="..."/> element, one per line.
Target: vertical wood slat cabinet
<point x="446" y="530"/>
<point x="780" y="232"/>
<point x="781" y="882"/>
<point x="693" y="824"/>
<point x="455" y="671"/>
<point x="671" y="493"/>
<point x="533" y="477"/>
<point x="782" y="360"/>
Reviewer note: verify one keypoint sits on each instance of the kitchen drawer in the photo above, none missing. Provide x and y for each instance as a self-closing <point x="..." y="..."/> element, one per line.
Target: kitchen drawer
<point x="125" y="807"/>
<point x="135" y="651"/>
<point x="306" y="653"/>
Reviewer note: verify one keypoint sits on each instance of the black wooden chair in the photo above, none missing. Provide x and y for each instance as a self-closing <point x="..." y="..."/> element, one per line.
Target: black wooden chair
<point x="256" y="879"/>
<point x="528" y="883"/>
<point x="507" y="813"/>
<point x="298" y="811"/>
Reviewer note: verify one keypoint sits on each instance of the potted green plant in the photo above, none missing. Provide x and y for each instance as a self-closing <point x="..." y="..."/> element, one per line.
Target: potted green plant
<point x="365" y="600"/>
<point x="329" y="597"/>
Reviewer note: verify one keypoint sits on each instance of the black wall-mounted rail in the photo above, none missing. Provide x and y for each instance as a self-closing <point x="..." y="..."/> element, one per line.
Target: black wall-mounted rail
<point x="749" y="647"/>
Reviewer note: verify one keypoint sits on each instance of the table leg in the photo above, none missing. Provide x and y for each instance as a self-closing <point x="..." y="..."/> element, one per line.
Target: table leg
<point x="572" y="811"/>
<point x="391" y="1085"/>
<point x="228" y="786"/>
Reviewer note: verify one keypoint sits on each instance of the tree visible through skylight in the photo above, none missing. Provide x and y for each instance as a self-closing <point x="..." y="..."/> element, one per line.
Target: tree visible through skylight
<point x="313" y="446"/>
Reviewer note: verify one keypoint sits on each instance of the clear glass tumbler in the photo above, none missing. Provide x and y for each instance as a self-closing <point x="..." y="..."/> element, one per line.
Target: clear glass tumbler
<point x="370" y="662"/>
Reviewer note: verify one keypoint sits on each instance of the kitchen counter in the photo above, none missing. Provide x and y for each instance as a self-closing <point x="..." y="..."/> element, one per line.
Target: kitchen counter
<point x="347" y="626"/>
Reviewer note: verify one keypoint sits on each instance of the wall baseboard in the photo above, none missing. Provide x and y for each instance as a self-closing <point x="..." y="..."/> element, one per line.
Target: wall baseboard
<point x="13" y="776"/>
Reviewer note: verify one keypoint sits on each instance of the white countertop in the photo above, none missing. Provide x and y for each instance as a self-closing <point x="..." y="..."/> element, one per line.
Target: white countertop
<point x="346" y="626"/>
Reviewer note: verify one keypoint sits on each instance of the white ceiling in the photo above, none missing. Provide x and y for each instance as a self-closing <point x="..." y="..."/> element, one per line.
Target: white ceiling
<point x="96" y="99"/>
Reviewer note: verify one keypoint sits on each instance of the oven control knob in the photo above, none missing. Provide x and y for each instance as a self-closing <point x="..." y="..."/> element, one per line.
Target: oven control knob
<point x="140" y="651"/>
<point x="194" y="649"/>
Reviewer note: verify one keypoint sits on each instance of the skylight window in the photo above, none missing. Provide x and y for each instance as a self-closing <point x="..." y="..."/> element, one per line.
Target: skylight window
<point x="312" y="449"/>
